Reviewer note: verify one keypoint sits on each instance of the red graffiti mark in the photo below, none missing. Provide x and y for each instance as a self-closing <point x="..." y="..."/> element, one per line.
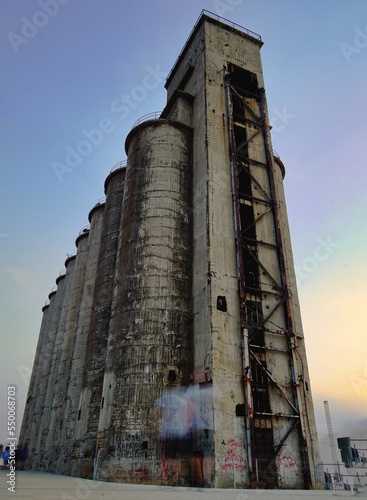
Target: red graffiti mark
<point x="289" y="463"/>
<point x="233" y="460"/>
<point x="233" y="442"/>
<point x="141" y="474"/>
<point x="164" y="470"/>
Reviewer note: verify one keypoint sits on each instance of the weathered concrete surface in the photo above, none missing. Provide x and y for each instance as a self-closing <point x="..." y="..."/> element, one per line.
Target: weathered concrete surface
<point x="95" y="353"/>
<point x="149" y="333"/>
<point x="45" y="486"/>
<point x="79" y="325"/>
<point x="30" y="407"/>
<point x="193" y="235"/>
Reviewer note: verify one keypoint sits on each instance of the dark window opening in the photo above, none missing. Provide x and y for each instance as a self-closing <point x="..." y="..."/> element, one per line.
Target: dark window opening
<point x="251" y="270"/>
<point x="259" y="377"/>
<point x="79" y="414"/>
<point x="240" y="137"/>
<point x="253" y="313"/>
<point x="264" y="455"/>
<point x="241" y="410"/>
<point x="247" y="221"/>
<point x="243" y="81"/>
<point x="102" y="403"/>
<point x="261" y="401"/>
<point x="244" y="181"/>
<point x="171" y="376"/>
<point x="144" y="445"/>
<point x="238" y="108"/>
<point x="221" y="303"/>
<point x="257" y="338"/>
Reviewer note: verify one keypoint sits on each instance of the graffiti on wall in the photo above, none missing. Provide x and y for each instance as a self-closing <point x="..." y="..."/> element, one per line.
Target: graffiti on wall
<point x="129" y="446"/>
<point x="233" y="459"/>
<point x="289" y="463"/>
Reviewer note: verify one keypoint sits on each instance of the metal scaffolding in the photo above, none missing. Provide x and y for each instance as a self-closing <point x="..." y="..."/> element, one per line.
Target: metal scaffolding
<point x="247" y="122"/>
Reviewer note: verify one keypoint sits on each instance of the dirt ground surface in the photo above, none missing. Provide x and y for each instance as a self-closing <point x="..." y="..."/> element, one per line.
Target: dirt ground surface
<point x="45" y="486"/>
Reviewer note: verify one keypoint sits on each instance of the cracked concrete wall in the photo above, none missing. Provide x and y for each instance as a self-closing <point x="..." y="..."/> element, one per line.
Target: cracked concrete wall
<point x="217" y="335"/>
<point x="27" y="429"/>
<point x="77" y="329"/>
<point x="49" y="450"/>
<point x="43" y="356"/>
<point x="51" y="358"/>
<point x="95" y="354"/>
<point x="57" y="427"/>
<point x="218" y="346"/>
<point x="151" y="315"/>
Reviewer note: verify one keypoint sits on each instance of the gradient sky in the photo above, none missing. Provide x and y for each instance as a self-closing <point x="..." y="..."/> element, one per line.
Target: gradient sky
<point x="65" y="71"/>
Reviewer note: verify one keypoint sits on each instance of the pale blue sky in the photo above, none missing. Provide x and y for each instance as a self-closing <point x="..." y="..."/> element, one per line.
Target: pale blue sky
<point x="66" y="71"/>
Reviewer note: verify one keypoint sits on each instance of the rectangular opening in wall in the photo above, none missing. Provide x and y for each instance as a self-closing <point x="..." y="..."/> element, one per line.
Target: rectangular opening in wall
<point x="254" y="312"/>
<point x="221" y="303"/>
<point x="244" y="180"/>
<point x="263" y="456"/>
<point x="251" y="270"/>
<point x="247" y="220"/>
<point x="238" y="108"/>
<point x="244" y="81"/>
<point x="241" y="141"/>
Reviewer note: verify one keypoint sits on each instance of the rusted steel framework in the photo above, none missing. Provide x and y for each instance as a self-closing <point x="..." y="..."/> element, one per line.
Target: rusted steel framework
<point x="264" y="294"/>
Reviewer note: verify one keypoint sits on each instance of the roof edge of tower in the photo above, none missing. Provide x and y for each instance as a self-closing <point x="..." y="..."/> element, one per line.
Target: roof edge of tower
<point x="206" y="15"/>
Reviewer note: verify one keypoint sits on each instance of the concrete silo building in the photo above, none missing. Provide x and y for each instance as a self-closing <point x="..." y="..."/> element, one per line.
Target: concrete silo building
<point x="193" y="292"/>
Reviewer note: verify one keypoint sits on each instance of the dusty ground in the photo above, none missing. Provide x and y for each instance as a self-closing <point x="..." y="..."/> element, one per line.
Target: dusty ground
<point x="44" y="486"/>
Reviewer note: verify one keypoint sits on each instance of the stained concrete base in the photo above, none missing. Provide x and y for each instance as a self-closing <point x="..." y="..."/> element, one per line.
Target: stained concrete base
<point x="45" y="486"/>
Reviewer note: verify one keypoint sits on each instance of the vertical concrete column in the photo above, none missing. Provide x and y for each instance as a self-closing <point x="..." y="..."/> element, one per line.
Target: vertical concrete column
<point x="150" y="330"/>
<point x="78" y="329"/>
<point x="81" y="243"/>
<point x="299" y="358"/>
<point x="67" y="327"/>
<point x="33" y="391"/>
<point x="52" y="354"/>
<point x="86" y="423"/>
<point x="40" y="383"/>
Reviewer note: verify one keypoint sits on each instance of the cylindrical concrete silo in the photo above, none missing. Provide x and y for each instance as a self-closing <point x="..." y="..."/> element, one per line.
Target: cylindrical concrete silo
<point x="150" y="330"/>
<point x="88" y="412"/>
<point x="69" y="395"/>
<point x="52" y="354"/>
<point x="61" y="373"/>
<point x="33" y="391"/>
<point x="79" y="326"/>
<point x="40" y="383"/>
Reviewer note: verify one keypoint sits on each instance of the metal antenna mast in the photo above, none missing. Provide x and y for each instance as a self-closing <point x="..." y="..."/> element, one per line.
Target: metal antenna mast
<point x="331" y="437"/>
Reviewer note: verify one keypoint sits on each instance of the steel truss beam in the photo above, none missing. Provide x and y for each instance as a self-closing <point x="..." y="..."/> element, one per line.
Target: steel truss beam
<point x="244" y="244"/>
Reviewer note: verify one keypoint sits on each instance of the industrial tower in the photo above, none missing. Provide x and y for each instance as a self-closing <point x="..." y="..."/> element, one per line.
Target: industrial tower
<point x="185" y="278"/>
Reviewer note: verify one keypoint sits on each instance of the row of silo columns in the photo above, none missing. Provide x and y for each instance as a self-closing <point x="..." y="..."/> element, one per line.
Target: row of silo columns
<point x="120" y="323"/>
<point x="49" y="426"/>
